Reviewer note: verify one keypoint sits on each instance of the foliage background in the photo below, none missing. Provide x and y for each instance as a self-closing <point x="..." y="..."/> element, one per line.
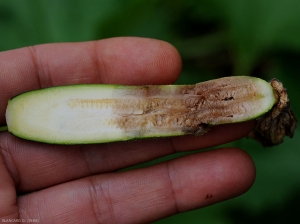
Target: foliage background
<point x="215" y="38"/>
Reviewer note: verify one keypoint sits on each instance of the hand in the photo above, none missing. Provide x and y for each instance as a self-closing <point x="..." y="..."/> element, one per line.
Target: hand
<point x="59" y="184"/>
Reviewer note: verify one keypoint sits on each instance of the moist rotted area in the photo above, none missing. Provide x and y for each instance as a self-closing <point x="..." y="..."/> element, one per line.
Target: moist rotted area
<point x="188" y="108"/>
<point x="277" y="123"/>
<point x="222" y="101"/>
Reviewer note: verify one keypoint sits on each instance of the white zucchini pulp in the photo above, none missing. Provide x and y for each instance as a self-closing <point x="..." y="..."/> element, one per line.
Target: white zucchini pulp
<point x="83" y="114"/>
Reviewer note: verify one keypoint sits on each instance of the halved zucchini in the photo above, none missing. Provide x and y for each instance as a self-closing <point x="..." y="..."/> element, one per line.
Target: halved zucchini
<point x="97" y="113"/>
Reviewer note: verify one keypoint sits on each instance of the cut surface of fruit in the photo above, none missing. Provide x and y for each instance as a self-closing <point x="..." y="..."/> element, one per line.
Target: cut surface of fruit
<point x="98" y="113"/>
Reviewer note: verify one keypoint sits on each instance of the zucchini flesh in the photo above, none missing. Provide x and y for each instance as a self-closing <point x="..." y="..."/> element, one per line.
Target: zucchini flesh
<point x="98" y="113"/>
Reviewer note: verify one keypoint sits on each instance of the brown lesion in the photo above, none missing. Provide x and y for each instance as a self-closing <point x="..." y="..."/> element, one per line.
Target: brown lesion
<point x="220" y="101"/>
<point x="191" y="109"/>
<point x="154" y="113"/>
<point x="279" y="122"/>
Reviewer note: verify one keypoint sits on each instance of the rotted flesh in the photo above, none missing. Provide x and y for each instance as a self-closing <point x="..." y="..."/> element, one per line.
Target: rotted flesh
<point x="82" y="114"/>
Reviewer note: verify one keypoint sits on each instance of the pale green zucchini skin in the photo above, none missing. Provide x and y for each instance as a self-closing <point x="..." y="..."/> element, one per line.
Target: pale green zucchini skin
<point x="99" y="113"/>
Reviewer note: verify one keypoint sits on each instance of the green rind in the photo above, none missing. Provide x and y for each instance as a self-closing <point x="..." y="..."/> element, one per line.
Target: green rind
<point x="98" y="141"/>
<point x="4" y="128"/>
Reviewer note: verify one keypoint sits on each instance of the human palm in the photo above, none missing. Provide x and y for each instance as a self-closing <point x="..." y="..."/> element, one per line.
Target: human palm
<point x="79" y="183"/>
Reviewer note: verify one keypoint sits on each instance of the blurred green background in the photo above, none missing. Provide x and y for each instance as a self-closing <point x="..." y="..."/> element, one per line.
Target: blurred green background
<point x="215" y="38"/>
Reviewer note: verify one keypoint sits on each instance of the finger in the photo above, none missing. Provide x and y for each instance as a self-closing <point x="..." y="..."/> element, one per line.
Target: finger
<point x="34" y="167"/>
<point x="8" y="207"/>
<point x="145" y="195"/>
<point x="125" y="60"/>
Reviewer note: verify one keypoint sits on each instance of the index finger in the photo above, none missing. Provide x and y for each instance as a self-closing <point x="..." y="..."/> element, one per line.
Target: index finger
<point x="124" y="60"/>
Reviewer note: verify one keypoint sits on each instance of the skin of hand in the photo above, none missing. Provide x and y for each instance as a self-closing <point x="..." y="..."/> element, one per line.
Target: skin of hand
<point x="60" y="184"/>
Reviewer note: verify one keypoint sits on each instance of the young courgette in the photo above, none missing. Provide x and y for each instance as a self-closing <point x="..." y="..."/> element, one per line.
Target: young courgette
<point x="98" y="113"/>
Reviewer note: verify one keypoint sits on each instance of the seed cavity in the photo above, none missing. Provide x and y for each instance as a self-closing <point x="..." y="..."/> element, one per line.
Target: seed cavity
<point x="88" y="103"/>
